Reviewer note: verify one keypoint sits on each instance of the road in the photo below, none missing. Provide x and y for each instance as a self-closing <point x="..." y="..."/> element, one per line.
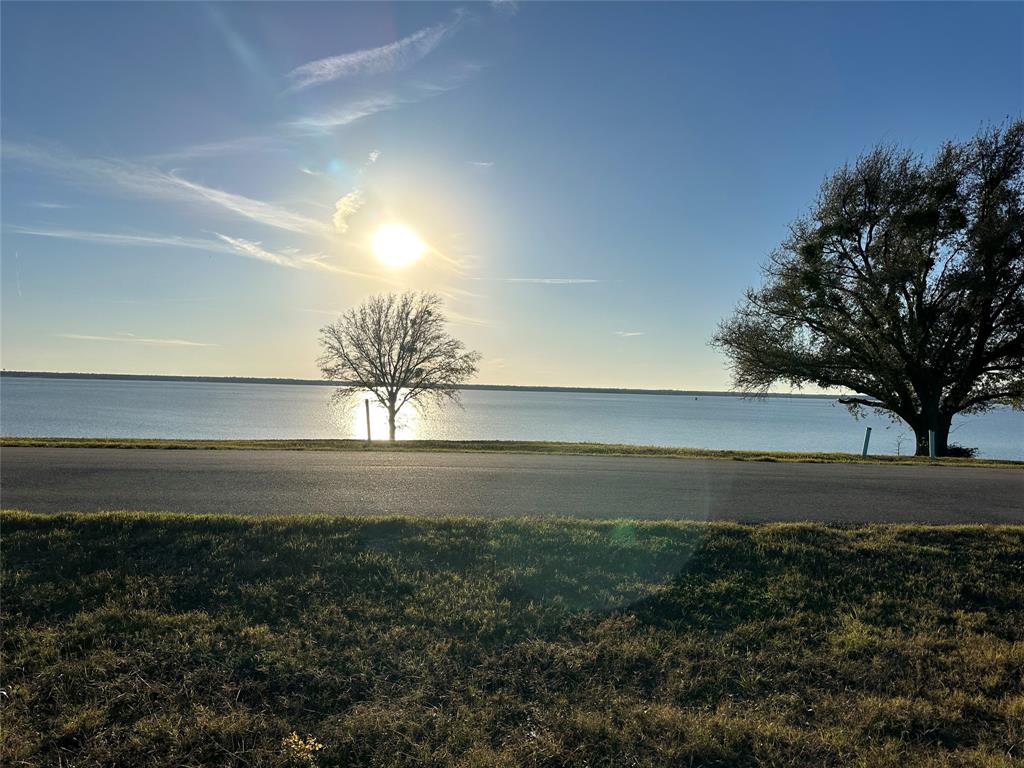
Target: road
<point x="501" y="484"/>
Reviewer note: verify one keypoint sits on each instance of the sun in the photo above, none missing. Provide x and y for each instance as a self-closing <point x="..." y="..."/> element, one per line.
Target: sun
<point x="397" y="246"/>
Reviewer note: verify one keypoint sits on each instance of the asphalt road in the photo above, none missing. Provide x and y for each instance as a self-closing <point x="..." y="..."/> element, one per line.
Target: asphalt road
<point x="501" y="484"/>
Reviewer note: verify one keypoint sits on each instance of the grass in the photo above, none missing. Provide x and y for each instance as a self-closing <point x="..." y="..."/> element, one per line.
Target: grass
<point x="136" y="639"/>
<point x="494" y="446"/>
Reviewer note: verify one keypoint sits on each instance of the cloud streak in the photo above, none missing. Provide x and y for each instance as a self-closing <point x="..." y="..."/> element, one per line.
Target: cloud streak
<point x="291" y="258"/>
<point x="349" y="113"/>
<point x="628" y="334"/>
<point x="238" y="146"/>
<point x="129" y="338"/>
<point x="542" y="280"/>
<point x="255" y="210"/>
<point x="288" y="258"/>
<point x="113" y="238"/>
<point x="373" y="61"/>
<point x="155" y="183"/>
<point x="505" y="7"/>
<point x="371" y="104"/>
<point x="457" y="318"/>
<point x="255" y="250"/>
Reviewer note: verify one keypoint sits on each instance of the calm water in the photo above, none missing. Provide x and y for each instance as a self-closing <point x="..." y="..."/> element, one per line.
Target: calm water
<point x="90" y="408"/>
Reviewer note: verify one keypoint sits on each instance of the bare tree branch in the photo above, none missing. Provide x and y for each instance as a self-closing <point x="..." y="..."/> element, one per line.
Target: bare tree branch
<point x="396" y="347"/>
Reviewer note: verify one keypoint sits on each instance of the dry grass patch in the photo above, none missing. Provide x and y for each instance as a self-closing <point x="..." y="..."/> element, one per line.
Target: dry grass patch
<point x="152" y="640"/>
<point x="498" y="446"/>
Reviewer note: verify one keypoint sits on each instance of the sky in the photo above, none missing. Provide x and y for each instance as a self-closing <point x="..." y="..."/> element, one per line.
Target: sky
<point x="193" y="188"/>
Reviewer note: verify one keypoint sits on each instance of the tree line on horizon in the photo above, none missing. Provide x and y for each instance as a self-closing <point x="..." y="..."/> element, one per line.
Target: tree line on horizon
<point x="904" y="283"/>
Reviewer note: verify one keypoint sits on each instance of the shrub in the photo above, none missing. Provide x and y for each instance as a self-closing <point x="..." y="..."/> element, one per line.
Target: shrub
<point x="957" y="451"/>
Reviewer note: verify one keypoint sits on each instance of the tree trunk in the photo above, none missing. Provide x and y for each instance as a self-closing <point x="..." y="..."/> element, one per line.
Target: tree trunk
<point x="941" y="441"/>
<point x="932" y="419"/>
<point x="392" y="412"/>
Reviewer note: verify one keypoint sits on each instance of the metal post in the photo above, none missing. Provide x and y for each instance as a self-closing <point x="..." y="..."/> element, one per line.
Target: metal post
<point x="366" y="402"/>
<point x="931" y="443"/>
<point x="867" y="439"/>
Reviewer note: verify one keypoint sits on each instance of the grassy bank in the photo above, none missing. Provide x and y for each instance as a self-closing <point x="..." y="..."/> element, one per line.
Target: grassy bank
<point x="493" y="446"/>
<point x="138" y="639"/>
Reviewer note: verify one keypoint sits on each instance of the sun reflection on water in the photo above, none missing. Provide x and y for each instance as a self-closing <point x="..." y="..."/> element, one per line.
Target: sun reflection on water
<point x="351" y="418"/>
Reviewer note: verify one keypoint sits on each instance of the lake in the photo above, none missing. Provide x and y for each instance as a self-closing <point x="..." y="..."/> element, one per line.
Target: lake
<point x="43" y="407"/>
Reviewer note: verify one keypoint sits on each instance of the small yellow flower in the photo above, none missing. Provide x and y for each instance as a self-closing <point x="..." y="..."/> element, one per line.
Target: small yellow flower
<point x="301" y="750"/>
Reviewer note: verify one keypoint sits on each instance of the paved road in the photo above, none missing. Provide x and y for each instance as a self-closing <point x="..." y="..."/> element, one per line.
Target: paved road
<point x="293" y="482"/>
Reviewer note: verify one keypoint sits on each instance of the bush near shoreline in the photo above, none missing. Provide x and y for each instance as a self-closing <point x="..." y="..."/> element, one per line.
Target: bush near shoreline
<point x="140" y="639"/>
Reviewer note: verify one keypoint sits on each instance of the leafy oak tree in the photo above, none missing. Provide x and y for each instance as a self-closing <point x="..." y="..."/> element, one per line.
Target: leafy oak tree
<point x="904" y="284"/>
<point x="396" y="347"/>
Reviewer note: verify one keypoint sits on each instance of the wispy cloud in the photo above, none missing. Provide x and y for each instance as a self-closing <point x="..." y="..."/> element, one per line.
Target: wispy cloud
<point x="255" y="250"/>
<point x="155" y="183"/>
<point x="459" y="294"/>
<point x="457" y="318"/>
<point x="128" y="338"/>
<point x="628" y="334"/>
<point x="482" y="163"/>
<point x="541" y="280"/>
<point x="290" y="258"/>
<point x="115" y="238"/>
<point x="320" y="261"/>
<point x="223" y="243"/>
<point x="346" y="207"/>
<point x="17" y="274"/>
<point x="347" y="114"/>
<point x="166" y="300"/>
<point x="371" y="104"/>
<point x="239" y="146"/>
<point x="54" y="206"/>
<point x="505" y="7"/>
<point x="373" y="61"/>
<point x="256" y="210"/>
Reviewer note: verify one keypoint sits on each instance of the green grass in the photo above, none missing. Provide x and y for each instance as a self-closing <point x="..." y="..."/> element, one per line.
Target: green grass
<point x="495" y="446"/>
<point x="136" y="639"/>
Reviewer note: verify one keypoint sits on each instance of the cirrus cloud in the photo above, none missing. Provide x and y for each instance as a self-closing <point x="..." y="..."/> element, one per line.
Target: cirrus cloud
<point x="155" y="183"/>
<point x="374" y="61"/>
<point x="131" y="338"/>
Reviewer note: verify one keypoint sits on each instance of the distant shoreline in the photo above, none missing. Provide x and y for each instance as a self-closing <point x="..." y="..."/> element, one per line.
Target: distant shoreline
<point x="321" y="383"/>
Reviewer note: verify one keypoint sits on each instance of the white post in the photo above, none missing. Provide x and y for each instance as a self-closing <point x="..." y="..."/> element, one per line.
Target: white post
<point x="867" y="439"/>
<point x="366" y="402"/>
<point x="931" y="443"/>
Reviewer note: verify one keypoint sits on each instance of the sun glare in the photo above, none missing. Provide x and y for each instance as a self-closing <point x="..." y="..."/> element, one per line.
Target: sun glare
<point x="397" y="246"/>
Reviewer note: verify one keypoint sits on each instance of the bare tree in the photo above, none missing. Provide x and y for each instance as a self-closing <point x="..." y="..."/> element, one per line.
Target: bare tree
<point x="396" y="347"/>
<point x="905" y="283"/>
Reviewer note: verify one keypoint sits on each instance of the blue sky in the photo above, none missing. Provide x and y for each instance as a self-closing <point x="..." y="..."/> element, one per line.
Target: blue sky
<point x="192" y="188"/>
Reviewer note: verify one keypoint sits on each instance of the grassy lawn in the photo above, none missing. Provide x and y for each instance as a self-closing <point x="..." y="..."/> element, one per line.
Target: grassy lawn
<point x="156" y="640"/>
<point x="494" y="446"/>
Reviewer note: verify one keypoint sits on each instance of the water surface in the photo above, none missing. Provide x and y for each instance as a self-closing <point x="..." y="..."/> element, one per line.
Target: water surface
<point x="207" y="410"/>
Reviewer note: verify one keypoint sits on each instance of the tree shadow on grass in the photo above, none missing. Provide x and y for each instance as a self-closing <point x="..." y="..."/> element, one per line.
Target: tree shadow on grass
<point x="149" y="640"/>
